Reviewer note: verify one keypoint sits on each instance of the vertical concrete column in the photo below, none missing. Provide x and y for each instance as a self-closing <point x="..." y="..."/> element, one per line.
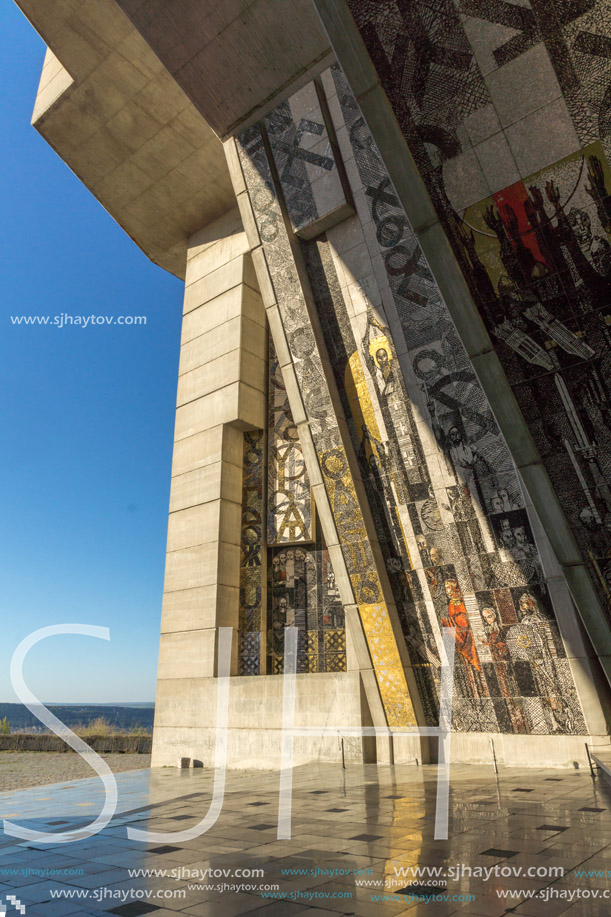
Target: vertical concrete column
<point x="221" y="393"/>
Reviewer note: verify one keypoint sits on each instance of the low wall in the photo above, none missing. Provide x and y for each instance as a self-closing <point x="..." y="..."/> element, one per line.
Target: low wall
<point x="128" y="745"/>
<point x="185" y="720"/>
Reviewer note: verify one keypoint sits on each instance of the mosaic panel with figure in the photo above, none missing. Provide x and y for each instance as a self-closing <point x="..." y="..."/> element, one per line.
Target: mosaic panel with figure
<point x="324" y="428"/>
<point x="303" y="594"/>
<point x="539" y="255"/>
<point x="445" y="494"/>
<point x="483" y="91"/>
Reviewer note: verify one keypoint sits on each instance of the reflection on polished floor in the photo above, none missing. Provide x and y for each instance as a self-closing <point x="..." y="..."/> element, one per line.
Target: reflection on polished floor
<point x="363" y="825"/>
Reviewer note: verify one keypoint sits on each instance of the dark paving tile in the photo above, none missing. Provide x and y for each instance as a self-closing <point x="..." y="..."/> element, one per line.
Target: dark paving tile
<point x="165" y="848"/>
<point x="497" y="852"/>
<point x="521" y="789"/>
<point x="258" y="803"/>
<point x="318" y="792"/>
<point x="134" y="909"/>
<point x="591" y="809"/>
<point x="337" y="810"/>
<point x="552" y="828"/>
<point x="365" y="837"/>
<point x="421" y="891"/>
<point x="281" y="908"/>
<point x="262" y="827"/>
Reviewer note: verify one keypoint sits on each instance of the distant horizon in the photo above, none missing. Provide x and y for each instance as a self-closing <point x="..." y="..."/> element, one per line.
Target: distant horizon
<point x="84" y="703"/>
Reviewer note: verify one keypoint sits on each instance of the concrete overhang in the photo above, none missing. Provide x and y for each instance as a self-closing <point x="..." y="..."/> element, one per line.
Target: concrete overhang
<point x="135" y="95"/>
<point x="235" y="59"/>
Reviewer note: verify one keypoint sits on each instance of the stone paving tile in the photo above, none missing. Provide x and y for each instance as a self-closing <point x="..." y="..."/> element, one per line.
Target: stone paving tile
<point x="385" y="820"/>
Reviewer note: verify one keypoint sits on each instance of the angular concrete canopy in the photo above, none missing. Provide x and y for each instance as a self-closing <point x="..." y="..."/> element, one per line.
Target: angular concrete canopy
<point x="134" y="102"/>
<point x="234" y="57"/>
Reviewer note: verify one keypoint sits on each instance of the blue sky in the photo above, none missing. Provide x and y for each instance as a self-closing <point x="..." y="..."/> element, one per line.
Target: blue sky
<point x="87" y="414"/>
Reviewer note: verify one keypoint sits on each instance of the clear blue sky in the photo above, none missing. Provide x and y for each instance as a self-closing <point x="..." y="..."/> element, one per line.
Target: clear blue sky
<point x="87" y="417"/>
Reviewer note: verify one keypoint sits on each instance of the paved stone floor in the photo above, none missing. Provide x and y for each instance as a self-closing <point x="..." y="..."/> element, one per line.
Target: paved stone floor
<point x="352" y="831"/>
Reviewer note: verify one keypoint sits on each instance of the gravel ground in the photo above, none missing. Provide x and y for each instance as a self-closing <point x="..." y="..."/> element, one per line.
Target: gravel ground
<point x="22" y="769"/>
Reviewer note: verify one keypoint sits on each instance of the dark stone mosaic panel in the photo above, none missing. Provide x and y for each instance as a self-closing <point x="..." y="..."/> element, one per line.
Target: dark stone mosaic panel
<point x="252" y="554"/>
<point x="305" y="161"/>
<point x="427" y="67"/>
<point x="302" y="593"/>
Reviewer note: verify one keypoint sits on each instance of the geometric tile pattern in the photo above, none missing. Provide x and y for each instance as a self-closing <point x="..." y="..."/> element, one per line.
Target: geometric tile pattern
<point x="397" y="823"/>
<point x="401" y="822"/>
<point x="303" y="593"/>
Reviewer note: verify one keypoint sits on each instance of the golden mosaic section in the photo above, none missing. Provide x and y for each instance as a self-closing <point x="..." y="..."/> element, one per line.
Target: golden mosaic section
<point x="367" y="589"/>
<point x="387" y="664"/>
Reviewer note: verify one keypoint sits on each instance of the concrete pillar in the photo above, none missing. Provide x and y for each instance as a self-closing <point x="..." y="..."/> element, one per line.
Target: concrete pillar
<point x="221" y="393"/>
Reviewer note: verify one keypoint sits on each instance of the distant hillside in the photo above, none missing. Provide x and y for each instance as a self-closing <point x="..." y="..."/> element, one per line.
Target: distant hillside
<point x="119" y="703"/>
<point x="124" y="718"/>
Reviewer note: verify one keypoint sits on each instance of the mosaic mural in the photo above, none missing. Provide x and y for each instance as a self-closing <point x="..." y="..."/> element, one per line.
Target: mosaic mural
<point x="301" y="587"/>
<point x="339" y="484"/>
<point x="539" y="256"/>
<point x="447" y="506"/>
<point x="290" y="506"/>
<point x="283" y="586"/>
<point x="491" y="91"/>
<point x="312" y="180"/>
<point x="473" y="548"/>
